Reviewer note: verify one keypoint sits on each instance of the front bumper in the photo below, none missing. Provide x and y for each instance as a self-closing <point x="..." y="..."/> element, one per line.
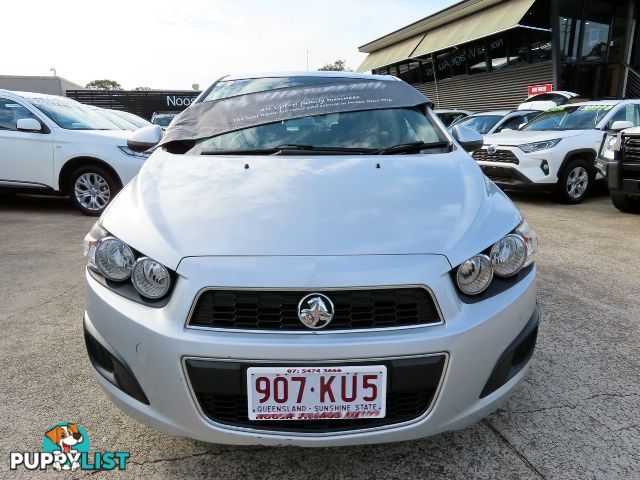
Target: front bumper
<point x="154" y="345"/>
<point x="511" y="167"/>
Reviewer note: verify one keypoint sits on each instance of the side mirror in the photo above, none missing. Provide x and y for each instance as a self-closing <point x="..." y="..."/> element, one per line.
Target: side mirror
<point x="28" y="125"/>
<point x="621" y="125"/>
<point x="507" y="130"/>
<point x="468" y="138"/>
<point x="145" y="138"/>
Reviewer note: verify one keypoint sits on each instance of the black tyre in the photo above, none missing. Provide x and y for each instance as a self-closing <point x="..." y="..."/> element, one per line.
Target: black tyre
<point x="91" y="188"/>
<point x="625" y="203"/>
<point x="575" y="181"/>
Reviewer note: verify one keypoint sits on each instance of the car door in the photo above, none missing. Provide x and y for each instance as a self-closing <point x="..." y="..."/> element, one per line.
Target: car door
<point x="26" y="158"/>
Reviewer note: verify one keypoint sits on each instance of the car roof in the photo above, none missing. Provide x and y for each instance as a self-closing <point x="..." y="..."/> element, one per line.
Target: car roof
<point x="28" y="95"/>
<point x="338" y="74"/>
<point x="451" y="110"/>
<point x="597" y="102"/>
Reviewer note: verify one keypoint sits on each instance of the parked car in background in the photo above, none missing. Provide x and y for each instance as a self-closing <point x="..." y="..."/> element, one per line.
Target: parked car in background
<point x="55" y="145"/>
<point x="556" y="150"/>
<point x="545" y="101"/>
<point x="619" y="162"/>
<point x="450" y="116"/>
<point x="497" y="120"/>
<point x="289" y="285"/>
<point x="136" y="120"/>
<point x="163" y="119"/>
<point x="118" y="121"/>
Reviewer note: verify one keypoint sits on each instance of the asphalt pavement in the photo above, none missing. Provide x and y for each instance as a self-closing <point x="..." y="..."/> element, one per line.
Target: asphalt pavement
<point x="577" y="414"/>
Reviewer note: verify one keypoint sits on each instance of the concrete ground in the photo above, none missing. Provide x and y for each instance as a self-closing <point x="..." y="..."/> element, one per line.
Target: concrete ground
<point x="577" y="415"/>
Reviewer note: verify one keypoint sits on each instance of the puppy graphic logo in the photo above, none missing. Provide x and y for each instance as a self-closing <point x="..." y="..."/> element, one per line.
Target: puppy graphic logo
<point x="68" y="439"/>
<point x="65" y="446"/>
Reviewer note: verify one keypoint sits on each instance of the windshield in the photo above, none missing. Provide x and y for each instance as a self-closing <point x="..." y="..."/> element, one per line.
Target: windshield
<point x="480" y="123"/>
<point x="582" y="117"/>
<point x="232" y="88"/>
<point x="131" y="118"/>
<point x="116" y="120"/>
<point x="163" y="120"/>
<point x="72" y="115"/>
<point x="370" y="129"/>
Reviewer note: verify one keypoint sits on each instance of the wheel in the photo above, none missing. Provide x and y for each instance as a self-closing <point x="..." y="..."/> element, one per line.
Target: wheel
<point x="575" y="181"/>
<point x="91" y="188"/>
<point x="625" y="203"/>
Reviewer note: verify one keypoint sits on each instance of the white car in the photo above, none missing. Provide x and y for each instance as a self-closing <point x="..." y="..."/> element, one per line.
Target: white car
<point x="547" y="100"/>
<point x="494" y="121"/>
<point x="352" y="278"/>
<point x="55" y="145"/>
<point x="556" y="151"/>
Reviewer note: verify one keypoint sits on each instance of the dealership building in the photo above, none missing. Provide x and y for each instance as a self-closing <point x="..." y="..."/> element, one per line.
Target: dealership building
<point x="484" y="54"/>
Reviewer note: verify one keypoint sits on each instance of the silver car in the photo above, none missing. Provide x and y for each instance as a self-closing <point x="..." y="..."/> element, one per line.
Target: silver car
<point x="310" y="259"/>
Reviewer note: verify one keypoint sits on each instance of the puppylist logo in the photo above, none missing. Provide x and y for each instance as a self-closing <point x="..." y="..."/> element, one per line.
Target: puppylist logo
<point x="65" y="446"/>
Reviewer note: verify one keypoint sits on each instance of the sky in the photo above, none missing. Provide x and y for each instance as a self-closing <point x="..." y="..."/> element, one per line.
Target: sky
<point x="176" y="43"/>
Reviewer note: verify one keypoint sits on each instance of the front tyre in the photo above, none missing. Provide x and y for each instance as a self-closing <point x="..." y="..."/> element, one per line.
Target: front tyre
<point x="91" y="188"/>
<point x="625" y="203"/>
<point x="575" y="181"/>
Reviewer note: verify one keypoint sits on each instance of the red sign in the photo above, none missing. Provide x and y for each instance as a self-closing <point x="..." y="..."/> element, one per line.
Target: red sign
<point x="536" y="89"/>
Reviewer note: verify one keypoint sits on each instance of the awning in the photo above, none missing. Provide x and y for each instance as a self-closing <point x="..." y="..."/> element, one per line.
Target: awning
<point x="494" y="19"/>
<point x="391" y="54"/>
<point x="498" y="18"/>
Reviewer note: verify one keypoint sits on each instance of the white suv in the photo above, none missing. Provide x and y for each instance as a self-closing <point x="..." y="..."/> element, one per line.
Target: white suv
<point x="55" y="145"/>
<point x="556" y="150"/>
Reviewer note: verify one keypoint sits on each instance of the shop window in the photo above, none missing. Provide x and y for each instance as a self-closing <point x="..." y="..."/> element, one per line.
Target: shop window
<point x="427" y="71"/>
<point x="443" y="68"/>
<point x="595" y="35"/>
<point x="570" y="26"/>
<point x="476" y="55"/>
<point x="539" y="45"/>
<point x="498" y="52"/>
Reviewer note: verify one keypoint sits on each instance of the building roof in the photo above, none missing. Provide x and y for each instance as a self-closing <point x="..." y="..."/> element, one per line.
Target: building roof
<point x="442" y="17"/>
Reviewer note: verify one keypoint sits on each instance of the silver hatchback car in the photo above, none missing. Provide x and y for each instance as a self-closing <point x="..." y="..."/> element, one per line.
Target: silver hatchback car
<point x="310" y="259"/>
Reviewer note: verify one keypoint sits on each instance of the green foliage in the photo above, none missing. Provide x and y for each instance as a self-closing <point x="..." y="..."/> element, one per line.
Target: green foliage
<point x="104" y="85"/>
<point x="337" y="66"/>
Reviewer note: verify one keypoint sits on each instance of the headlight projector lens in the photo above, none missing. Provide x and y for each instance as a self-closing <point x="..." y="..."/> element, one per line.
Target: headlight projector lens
<point x="150" y="278"/>
<point x="114" y="259"/>
<point x="474" y="275"/>
<point x="508" y="255"/>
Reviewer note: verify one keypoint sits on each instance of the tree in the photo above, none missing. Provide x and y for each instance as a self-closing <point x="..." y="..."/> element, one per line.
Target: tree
<point x="104" y="85"/>
<point x="142" y="89"/>
<point x="337" y="66"/>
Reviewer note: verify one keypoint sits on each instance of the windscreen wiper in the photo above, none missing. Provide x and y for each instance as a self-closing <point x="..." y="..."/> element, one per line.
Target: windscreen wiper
<point x="410" y="147"/>
<point x="289" y="149"/>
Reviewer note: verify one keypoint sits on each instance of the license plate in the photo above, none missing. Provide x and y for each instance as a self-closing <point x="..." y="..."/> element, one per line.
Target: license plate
<point x="317" y="393"/>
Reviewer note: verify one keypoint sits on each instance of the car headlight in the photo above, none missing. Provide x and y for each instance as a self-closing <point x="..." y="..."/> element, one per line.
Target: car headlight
<point x="116" y="261"/>
<point x="474" y="275"/>
<point x="508" y="255"/>
<point x="150" y="278"/>
<point x="530" y="239"/>
<point x="535" y="146"/>
<point x="91" y="240"/>
<point x="506" y="258"/>
<point x="609" y="146"/>
<point x="131" y="153"/>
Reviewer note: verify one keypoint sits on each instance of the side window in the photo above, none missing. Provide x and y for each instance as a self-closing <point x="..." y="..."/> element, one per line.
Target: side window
<point x="11" y="112"/>
<point x="513" y="123"/>
<point x="629" y="113"/>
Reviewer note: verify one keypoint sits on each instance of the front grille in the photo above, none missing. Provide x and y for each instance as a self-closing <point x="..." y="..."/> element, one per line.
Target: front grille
<point x="232" y="410"/>
<point x="278" y="310"/>
<point x="502" y="156"/>
<point x="220" y="390"/>
<point x="632" y="150"/>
